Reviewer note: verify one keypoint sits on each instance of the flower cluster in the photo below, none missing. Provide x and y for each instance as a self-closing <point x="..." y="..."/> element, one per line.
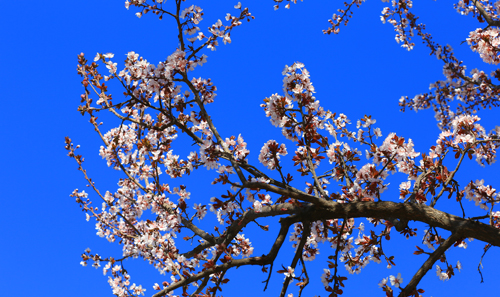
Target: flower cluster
<point x="298" y="88"/>
<point x="467" y="136"/>
<point x="403" y="21"/>
<point x="445" y="275"/>
<point x="482" y="195"/>
<point x="485" y="42"/>
<point x="270" y="154"/>
<point x="145" y="215"/>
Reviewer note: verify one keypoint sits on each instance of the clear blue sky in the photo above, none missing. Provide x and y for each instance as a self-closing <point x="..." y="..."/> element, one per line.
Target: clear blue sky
<point x="360" y="71"/>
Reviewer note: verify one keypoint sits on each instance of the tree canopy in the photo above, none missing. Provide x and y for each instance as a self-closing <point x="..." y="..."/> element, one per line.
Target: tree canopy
<point x="323" y="185"/>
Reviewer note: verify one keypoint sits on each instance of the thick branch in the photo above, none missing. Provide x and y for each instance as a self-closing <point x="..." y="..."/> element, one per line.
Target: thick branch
<point x="330" y="210"/>
<point x="325" y="210"/>
<point x="410" y="212"/>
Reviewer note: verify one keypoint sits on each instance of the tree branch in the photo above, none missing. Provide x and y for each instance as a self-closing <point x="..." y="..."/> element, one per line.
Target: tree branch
<point x="298" y="255"/>
<point x="412" y="286"/>
<point x="330" y="210"/>
<point x="485" y="14"/>
<point x="410" y="212"/>
<point x="263" y="260"/>
<point x="247" y="217"/>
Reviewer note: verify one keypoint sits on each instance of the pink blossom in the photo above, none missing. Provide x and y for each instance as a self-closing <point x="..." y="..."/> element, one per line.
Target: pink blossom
<point x="396" y="281"/>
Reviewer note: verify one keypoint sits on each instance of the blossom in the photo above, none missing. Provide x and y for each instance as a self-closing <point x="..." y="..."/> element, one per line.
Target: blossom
<point x="138" y="290"/>
<point x="442" y="275"/>
<point x="325" y="276"/>
<point x="396" y="281"/>
<point x="290" y="272"/>
<point x="257" y="206"/>
<point x="383" y="282"/>
<point x="243" y="246"/>
<point x="112" y="67"/>
<point x="201" y="211"/>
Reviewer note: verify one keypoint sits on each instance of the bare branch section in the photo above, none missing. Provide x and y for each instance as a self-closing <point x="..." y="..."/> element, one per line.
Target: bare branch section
<point x="412" y="212"/>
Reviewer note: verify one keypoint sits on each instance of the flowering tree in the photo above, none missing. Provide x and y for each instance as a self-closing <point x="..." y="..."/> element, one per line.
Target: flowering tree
<point x="162" y="104"/>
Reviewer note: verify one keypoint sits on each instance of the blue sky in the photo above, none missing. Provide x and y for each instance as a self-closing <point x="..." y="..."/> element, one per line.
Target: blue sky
<point x="360" y="71"/>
